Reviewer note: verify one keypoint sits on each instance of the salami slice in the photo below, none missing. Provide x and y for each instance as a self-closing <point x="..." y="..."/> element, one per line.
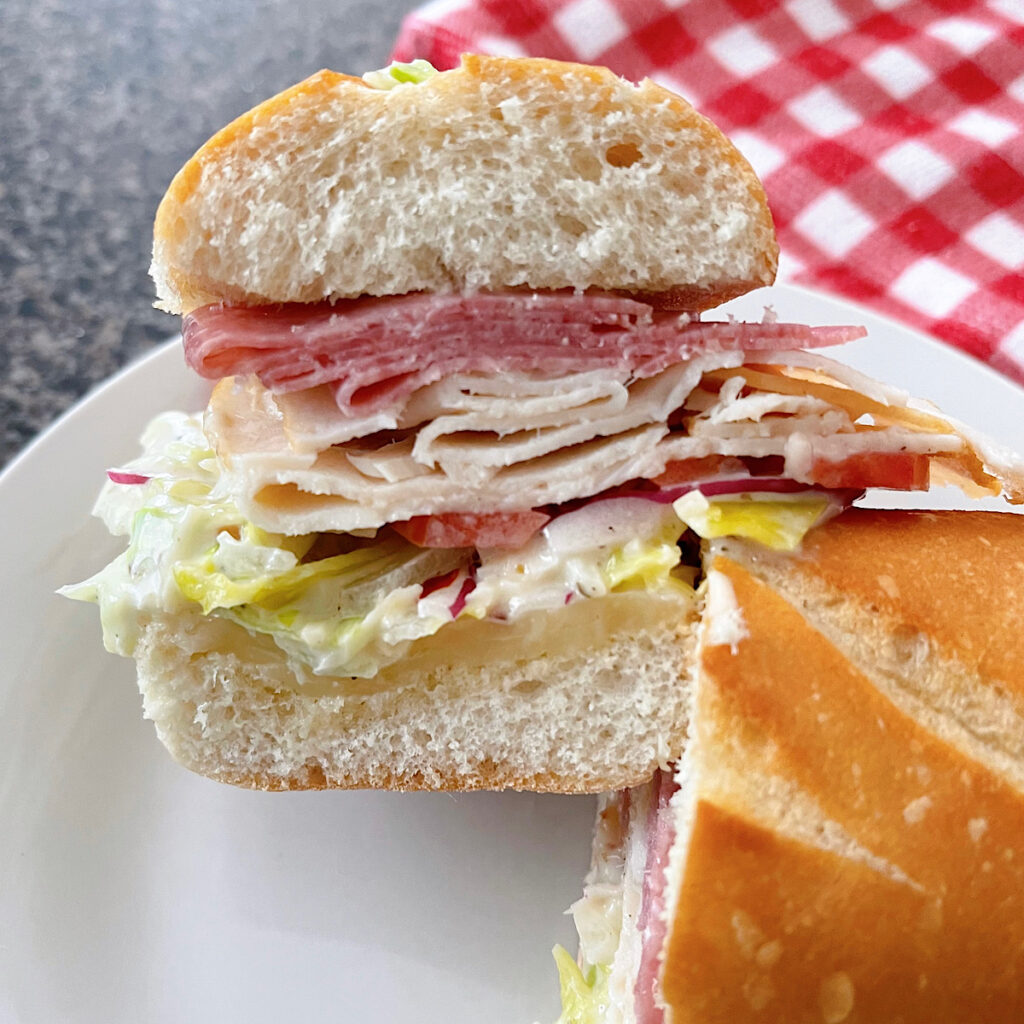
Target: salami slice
<point x="375" y="351"/>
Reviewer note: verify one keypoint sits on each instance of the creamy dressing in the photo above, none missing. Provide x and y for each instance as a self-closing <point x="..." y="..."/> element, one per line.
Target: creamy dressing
<point x="353" y="613"/>
<point x="725" y="626"/>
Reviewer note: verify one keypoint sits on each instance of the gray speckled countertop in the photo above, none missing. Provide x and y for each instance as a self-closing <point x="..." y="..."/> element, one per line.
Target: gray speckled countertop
<point x="101" y="101"/>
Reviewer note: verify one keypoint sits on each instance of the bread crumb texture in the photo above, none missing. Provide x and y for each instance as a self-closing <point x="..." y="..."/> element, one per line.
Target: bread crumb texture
<point x="914" y="812"/>
<point x="580" y="720"/>
<point x="500" y="173"/>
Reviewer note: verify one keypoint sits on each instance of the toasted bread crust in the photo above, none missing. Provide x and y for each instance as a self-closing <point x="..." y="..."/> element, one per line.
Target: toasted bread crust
<point x="874" y="557"/>
<point x="766" y="930"/>
<point x="199" y="258"/>
<point x="902" y="896"/>
<point x="171" y="226"/>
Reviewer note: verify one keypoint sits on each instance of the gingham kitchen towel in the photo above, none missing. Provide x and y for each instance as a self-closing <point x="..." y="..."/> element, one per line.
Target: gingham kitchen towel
<point x="889" y="133"/>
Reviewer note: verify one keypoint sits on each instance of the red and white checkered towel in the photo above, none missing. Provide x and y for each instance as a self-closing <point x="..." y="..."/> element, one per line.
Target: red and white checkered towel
<point x="889" y="133"/>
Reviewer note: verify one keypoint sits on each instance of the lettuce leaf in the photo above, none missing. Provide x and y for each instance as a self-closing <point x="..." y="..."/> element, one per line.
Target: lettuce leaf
<point x="190" y="549"/>
<point x="584" y="996"/>
<point x="399" y="73"/>
<point x="641" y="564"/>
<point x="776" y="522"/>
<point x="271" y="573"/>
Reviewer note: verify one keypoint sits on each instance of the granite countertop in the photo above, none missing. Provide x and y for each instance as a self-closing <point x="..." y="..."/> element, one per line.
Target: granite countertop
<point x="100" y="103"/>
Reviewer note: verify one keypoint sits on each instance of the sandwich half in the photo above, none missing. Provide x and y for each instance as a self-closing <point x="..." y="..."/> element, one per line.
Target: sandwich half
<point x="843" y="839"/>
<point x="433" y="530"/>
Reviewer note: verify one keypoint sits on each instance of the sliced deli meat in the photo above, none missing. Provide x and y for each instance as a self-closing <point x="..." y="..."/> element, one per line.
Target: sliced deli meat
<point x="374" y="351"/>
<point x="815" y="420"/>
<point x="661" y="833"/>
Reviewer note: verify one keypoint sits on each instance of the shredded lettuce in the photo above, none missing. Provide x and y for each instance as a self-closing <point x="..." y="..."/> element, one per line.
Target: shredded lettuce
<point x="398" y="73"/>
<point x="641" y="564"/>
<point x="605" y="547"/>
<point x="190" y="548"/>
<point x="777" y="522"/>
<point x="356" y="620"/>
<point x="584" y="996"/>
<point x="258" y="571"/>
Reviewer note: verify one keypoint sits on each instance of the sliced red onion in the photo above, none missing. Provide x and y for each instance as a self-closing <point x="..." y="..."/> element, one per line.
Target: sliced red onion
<point x="734" y="485"/>
<point x="438" y="583"/>
<point x="615" y="518"/>
<point x="610" y="520"/>
<point x="119" y="476"/>
<point x="468" y="586"/>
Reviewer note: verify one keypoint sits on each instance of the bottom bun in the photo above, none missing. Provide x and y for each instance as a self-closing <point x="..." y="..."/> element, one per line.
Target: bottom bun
<point x="586" y="699"/>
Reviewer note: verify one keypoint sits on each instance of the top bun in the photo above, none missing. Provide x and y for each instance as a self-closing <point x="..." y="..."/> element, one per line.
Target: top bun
<point x="500" y="173"/>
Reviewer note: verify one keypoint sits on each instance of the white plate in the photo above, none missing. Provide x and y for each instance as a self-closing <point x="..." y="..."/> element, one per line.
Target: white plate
<point x="131" y="890"/>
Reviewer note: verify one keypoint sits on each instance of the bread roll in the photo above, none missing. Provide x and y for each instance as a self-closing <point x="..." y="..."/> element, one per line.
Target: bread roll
<point x="499" y="174"/>
<point x="849" y="819"/>
<point x="364" y="565"/>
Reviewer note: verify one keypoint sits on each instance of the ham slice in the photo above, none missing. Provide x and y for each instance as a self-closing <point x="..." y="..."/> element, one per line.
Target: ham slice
<point x="652" y="924"/>
<point x="375" y="351"/>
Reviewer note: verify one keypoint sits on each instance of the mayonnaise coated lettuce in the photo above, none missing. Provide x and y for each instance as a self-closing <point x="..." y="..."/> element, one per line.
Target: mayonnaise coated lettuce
<point x="338" y="604"/>
<point x="778" y="521"/>
<point x="605" y="547"/>
<point x="167" y="519"/>
<point x="584" y="996"/>
<point x="399" y="73"/>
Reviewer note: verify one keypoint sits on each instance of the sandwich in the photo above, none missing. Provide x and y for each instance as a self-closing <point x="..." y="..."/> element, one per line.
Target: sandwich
<point x="843" y="838"/>
<point x="435" y="528"/>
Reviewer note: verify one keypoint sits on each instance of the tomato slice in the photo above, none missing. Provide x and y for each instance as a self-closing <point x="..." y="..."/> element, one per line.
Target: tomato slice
<point x="685" y="471"/>
<point x="896" y="471"/>
<point x="472" y="529"/>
